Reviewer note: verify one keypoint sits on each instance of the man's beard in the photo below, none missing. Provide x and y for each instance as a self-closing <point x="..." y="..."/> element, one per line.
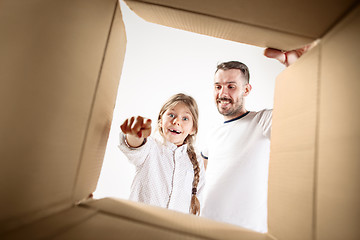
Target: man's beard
<point x="234" y="110"/>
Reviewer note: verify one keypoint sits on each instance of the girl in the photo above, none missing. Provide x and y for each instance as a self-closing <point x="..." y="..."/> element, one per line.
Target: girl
<point x="168" y="173"/>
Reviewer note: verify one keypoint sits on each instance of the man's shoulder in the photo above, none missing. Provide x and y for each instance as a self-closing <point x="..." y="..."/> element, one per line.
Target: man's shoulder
<point x="264" y="113"/>
<point x="263" y="119"/>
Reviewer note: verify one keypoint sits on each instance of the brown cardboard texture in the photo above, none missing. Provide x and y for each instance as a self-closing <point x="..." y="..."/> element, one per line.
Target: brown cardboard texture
<point x="60" y="66"/>
<point x="281" y="24"/>
<point x="338" y="178"/>
<point x="292" y="164"/>
<point x="314" y="164"/>
<point x="114" y="219"/>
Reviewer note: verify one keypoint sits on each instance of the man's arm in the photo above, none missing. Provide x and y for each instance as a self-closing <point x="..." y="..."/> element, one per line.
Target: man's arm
<point x="205" y="162"/>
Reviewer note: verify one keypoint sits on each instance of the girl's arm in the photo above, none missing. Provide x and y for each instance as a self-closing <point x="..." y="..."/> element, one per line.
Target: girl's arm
<point x="136" y="130"/>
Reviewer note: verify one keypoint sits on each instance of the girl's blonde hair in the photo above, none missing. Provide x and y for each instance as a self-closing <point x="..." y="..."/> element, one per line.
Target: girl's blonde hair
<point x="189" y="140"/>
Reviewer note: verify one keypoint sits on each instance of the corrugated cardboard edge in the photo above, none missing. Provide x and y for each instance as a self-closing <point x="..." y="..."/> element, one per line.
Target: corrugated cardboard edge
<point x="216" y="27"/>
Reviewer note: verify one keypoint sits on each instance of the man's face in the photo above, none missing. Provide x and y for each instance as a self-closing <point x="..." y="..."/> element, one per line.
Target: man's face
<point x="230" y="88"/>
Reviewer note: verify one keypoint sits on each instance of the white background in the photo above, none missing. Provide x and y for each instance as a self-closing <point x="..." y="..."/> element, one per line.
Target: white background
<point x="161" y="61"/>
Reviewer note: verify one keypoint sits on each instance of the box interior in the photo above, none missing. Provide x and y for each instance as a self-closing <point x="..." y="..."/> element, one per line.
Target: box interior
<point x="60" y="68"/>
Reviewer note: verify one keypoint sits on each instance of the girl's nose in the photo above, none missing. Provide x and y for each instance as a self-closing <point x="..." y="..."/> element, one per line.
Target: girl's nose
<point x="175" y="121"/>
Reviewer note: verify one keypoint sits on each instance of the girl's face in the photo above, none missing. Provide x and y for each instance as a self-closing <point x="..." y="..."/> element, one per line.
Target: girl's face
<point x="177" y="124"/>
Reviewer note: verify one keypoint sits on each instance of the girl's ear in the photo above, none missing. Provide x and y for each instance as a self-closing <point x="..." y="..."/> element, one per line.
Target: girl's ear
<point x="160" y="126"/>
<point x="192" y="132"/>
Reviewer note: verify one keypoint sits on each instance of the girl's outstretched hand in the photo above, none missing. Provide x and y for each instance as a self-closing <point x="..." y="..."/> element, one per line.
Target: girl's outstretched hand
<point x="136" y="130"/>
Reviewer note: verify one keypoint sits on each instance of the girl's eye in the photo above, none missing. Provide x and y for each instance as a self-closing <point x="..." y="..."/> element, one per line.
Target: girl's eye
<point x="171" y="115"/>
<point x="185" y="118"/>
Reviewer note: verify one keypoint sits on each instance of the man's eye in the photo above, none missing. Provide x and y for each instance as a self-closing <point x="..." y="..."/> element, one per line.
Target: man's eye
<point x="218" y="87"/>
<point x="231" y="86"/>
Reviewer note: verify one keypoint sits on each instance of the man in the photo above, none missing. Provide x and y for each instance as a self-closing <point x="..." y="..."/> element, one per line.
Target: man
<point x="237" y="153"/>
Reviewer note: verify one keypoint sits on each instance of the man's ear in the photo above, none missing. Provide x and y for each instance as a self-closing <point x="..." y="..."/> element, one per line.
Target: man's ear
<point x="247" y="89"/>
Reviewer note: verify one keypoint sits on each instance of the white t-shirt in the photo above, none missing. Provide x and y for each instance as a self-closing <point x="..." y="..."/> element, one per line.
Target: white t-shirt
<point x="237" y="172"/>
<point x="164" y="174"/>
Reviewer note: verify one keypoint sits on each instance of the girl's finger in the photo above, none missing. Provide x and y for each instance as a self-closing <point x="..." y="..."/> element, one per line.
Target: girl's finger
<point x="131" y="121"/>
<point x="147" y="124"/>
<point x="138" y="124"/>
<point x="124" y="126"/>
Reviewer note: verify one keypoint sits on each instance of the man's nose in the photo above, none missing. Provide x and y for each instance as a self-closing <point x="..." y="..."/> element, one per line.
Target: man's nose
<point x="222" y="92"/>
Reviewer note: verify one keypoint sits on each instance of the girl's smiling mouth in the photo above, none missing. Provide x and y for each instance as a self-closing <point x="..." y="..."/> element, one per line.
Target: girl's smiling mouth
<point x="174" y="131"/>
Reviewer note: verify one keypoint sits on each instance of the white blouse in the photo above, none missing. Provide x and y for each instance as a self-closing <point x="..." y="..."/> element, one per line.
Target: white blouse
<point x="164" y="174"/>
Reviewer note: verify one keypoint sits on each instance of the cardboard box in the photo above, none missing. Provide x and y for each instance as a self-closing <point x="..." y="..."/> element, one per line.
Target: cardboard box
<point x="281" y="24"/>
<point x="61" y="63"/>
<point x="313" y="181"/>
<point x="60" y="67"/>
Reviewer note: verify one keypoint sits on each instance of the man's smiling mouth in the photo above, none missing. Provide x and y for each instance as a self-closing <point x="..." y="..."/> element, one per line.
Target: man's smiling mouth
<point x="224" y="100"/>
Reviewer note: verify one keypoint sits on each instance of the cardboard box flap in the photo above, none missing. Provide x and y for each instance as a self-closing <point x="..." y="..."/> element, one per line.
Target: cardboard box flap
<point x="292" y="161"/>
<point x="51" y="226"/>
<point x="122" y="219"/>
<point x="284" y="24"/>
<point x="102" y="109"/>
<point x="162" y="218"/>
<point x="58" y="90"/>
<point x="314" y="165"/>
<point x="338" y="178"/>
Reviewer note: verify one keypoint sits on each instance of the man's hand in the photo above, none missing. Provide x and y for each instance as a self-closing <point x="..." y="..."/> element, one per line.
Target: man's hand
<point x="287" y="57"/>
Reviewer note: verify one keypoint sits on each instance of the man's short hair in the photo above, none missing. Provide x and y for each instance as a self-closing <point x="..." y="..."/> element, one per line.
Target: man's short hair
<point x="235" y="65"/>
